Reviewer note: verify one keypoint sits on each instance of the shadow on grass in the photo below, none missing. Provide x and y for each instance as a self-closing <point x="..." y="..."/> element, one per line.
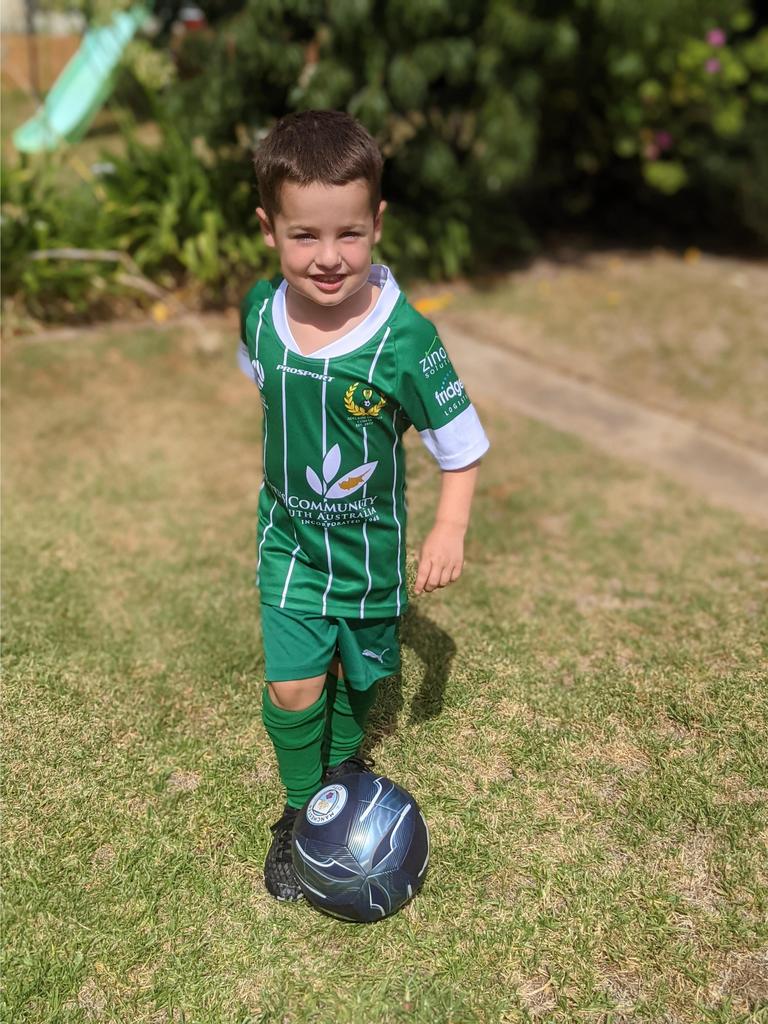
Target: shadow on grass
<point x="436" y="650"/>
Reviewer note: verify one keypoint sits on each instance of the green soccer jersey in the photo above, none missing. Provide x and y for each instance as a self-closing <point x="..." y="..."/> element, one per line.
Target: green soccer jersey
<point x="332" y="511"/>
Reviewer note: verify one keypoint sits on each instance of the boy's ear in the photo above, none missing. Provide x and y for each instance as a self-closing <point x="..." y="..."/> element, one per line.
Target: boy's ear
<point x="266" y="227"/>
<point x="377" y="220"/>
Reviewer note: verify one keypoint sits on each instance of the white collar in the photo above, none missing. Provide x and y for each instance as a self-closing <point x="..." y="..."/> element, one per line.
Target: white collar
<point x="380" y="276"/>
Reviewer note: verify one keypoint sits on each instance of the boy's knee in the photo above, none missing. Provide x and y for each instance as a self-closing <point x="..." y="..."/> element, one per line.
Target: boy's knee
<point x="296" y="695"/>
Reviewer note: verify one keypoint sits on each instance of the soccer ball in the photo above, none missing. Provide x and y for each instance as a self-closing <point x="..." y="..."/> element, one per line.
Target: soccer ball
<point x="360" y="847"/>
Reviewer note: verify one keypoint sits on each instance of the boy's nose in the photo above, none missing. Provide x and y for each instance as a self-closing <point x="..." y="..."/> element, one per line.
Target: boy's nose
<point x="328" y="258"/>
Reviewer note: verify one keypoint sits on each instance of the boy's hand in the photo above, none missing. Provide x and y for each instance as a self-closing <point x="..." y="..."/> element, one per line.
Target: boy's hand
<point x="441" y="558"/>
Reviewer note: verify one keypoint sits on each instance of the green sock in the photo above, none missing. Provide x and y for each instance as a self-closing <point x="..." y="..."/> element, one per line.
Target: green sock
<point x="297" y="737"/>
<point x="347" y="720"/>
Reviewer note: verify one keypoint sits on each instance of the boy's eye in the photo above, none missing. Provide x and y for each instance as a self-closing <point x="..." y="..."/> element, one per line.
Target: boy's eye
<point x="351" y="234"/>
<point x="302" y="238"/>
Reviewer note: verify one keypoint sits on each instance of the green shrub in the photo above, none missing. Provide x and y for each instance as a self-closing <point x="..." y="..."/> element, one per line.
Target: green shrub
<point x="176" y="212"/>
<point x="450" y="91"/>
<point x="498" y="119"/>
<point x="183" y="211"/>
<point x="37" y="217"/>
<point x="667" y="99"/>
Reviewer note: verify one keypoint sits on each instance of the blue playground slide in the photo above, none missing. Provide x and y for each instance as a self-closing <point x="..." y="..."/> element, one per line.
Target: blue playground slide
<point x="82" y="87"/>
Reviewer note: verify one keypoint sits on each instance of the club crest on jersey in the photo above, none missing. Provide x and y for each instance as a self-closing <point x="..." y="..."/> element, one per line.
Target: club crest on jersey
<point x="336" y="485"/>
<point x="370" y="403"/>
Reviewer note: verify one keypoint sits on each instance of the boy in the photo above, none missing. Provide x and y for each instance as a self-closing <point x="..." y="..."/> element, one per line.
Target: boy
<point x="344" y="366"/>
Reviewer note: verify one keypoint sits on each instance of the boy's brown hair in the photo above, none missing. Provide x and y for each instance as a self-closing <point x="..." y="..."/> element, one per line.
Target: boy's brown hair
<point x="325" y="146"/>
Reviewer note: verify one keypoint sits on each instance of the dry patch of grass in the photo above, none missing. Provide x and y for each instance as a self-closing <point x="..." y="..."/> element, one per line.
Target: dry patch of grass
<point x="743" y="982"/>
<point x="688" y="335"/>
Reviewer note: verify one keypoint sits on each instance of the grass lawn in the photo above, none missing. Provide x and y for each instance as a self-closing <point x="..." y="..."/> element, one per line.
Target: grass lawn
<point x="582" y="720"/>
<point x="686" y="334"/>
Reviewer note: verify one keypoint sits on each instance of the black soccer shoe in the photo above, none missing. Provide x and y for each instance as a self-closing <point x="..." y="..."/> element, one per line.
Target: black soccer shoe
<point x="351" y="764"/>
<point x="279" y="875"/>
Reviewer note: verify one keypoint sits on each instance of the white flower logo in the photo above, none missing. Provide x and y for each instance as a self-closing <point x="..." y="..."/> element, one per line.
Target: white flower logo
<point x="346" y="484"/>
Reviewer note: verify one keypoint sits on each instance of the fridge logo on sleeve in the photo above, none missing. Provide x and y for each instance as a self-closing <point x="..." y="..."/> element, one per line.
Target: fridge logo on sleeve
<point x="454" y="390"/>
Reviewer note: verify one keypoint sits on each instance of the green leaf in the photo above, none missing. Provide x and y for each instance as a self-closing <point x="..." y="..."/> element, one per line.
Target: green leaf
<point x="758" y="92"/>
<point x="667" y="176"/>
<point x="728" y="122"/>
<point x="755" y="52"/>
<point x="651" y="90"/>
<point x="742" y="20"/>
<point x="626" y="146"/>
<point x="628" y="65"/>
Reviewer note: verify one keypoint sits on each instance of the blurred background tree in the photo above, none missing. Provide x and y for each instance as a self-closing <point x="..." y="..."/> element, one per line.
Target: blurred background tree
<point x="501" y="120"/>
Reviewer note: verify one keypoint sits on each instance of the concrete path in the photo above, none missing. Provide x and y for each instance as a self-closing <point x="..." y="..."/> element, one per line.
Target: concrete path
<point x="728" y="474"/>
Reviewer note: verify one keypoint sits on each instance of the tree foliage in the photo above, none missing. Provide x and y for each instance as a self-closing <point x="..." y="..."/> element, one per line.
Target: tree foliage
<point x="498" y="119"/>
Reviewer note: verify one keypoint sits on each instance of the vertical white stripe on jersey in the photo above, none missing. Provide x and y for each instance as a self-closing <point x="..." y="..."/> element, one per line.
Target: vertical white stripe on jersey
<point x="365" y="485"/>
<point x="264" y="453"/>
<point x="285" y="470"/>
<point x="330" y="569"/>
<point x="394" y="511"/>
<point x="325" y="440"/>
<point x="365" y="529"/>
<point x="378" y="353"/>
<point x="288" y="576"/>
<point x="285" y="431"/>
<point x="264" y="537"/>
<point x="327" y="545"/>
<point x="258" y="329"/>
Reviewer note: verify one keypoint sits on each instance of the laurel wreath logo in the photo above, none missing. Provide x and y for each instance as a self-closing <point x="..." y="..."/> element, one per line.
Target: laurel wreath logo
<point x="368" y="408"/>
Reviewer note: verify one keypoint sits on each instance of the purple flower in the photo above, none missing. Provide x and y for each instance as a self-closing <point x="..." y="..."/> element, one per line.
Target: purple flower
<point x="713" y="65"/>
<point x="663" y="140"/>
<point x="716" y="37"/>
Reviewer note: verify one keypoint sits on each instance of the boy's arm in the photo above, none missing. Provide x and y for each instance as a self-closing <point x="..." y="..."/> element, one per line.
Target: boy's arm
<point x="441" y="558"/>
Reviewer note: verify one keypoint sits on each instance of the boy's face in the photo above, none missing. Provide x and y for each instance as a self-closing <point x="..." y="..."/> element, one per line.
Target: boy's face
<point x="324" y="235"/>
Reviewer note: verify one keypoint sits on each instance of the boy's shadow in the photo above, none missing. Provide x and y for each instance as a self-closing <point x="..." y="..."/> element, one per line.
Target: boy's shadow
<point x="436" y="650"/>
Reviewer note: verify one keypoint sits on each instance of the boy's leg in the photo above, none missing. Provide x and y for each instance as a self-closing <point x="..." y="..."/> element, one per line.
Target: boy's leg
<point x="294" y="709"/>
<point x="348" y="716"/>
<point x="369" y="650"/>
<point x="294" y="714"/>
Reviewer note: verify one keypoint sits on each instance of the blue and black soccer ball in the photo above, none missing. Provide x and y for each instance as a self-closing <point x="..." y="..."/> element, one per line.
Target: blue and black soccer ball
<point x="361" y="847"/>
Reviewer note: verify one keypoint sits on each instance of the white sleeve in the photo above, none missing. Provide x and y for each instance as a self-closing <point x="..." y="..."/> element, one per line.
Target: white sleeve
<point x="459" y="443"/>
<point x="244" y="361"/>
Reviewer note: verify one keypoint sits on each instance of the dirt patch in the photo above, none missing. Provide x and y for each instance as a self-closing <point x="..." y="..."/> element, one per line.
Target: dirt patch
<point x="619" y="752"/>
<point x="183" y="782"/>
<point x="625" y="988"/>
<point x="743" y="979"/>
<point x="103" y="857"/>
<point x="92" y="1000"/>
<point x="692" y="873"/>
<point x="538" y="994"/>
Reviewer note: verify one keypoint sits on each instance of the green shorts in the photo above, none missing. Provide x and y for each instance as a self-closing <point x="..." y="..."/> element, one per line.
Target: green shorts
<point x="299" y="646"/>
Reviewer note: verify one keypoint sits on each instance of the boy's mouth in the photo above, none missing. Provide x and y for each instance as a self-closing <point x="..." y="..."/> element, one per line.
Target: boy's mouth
<point x="328" y="282"/>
